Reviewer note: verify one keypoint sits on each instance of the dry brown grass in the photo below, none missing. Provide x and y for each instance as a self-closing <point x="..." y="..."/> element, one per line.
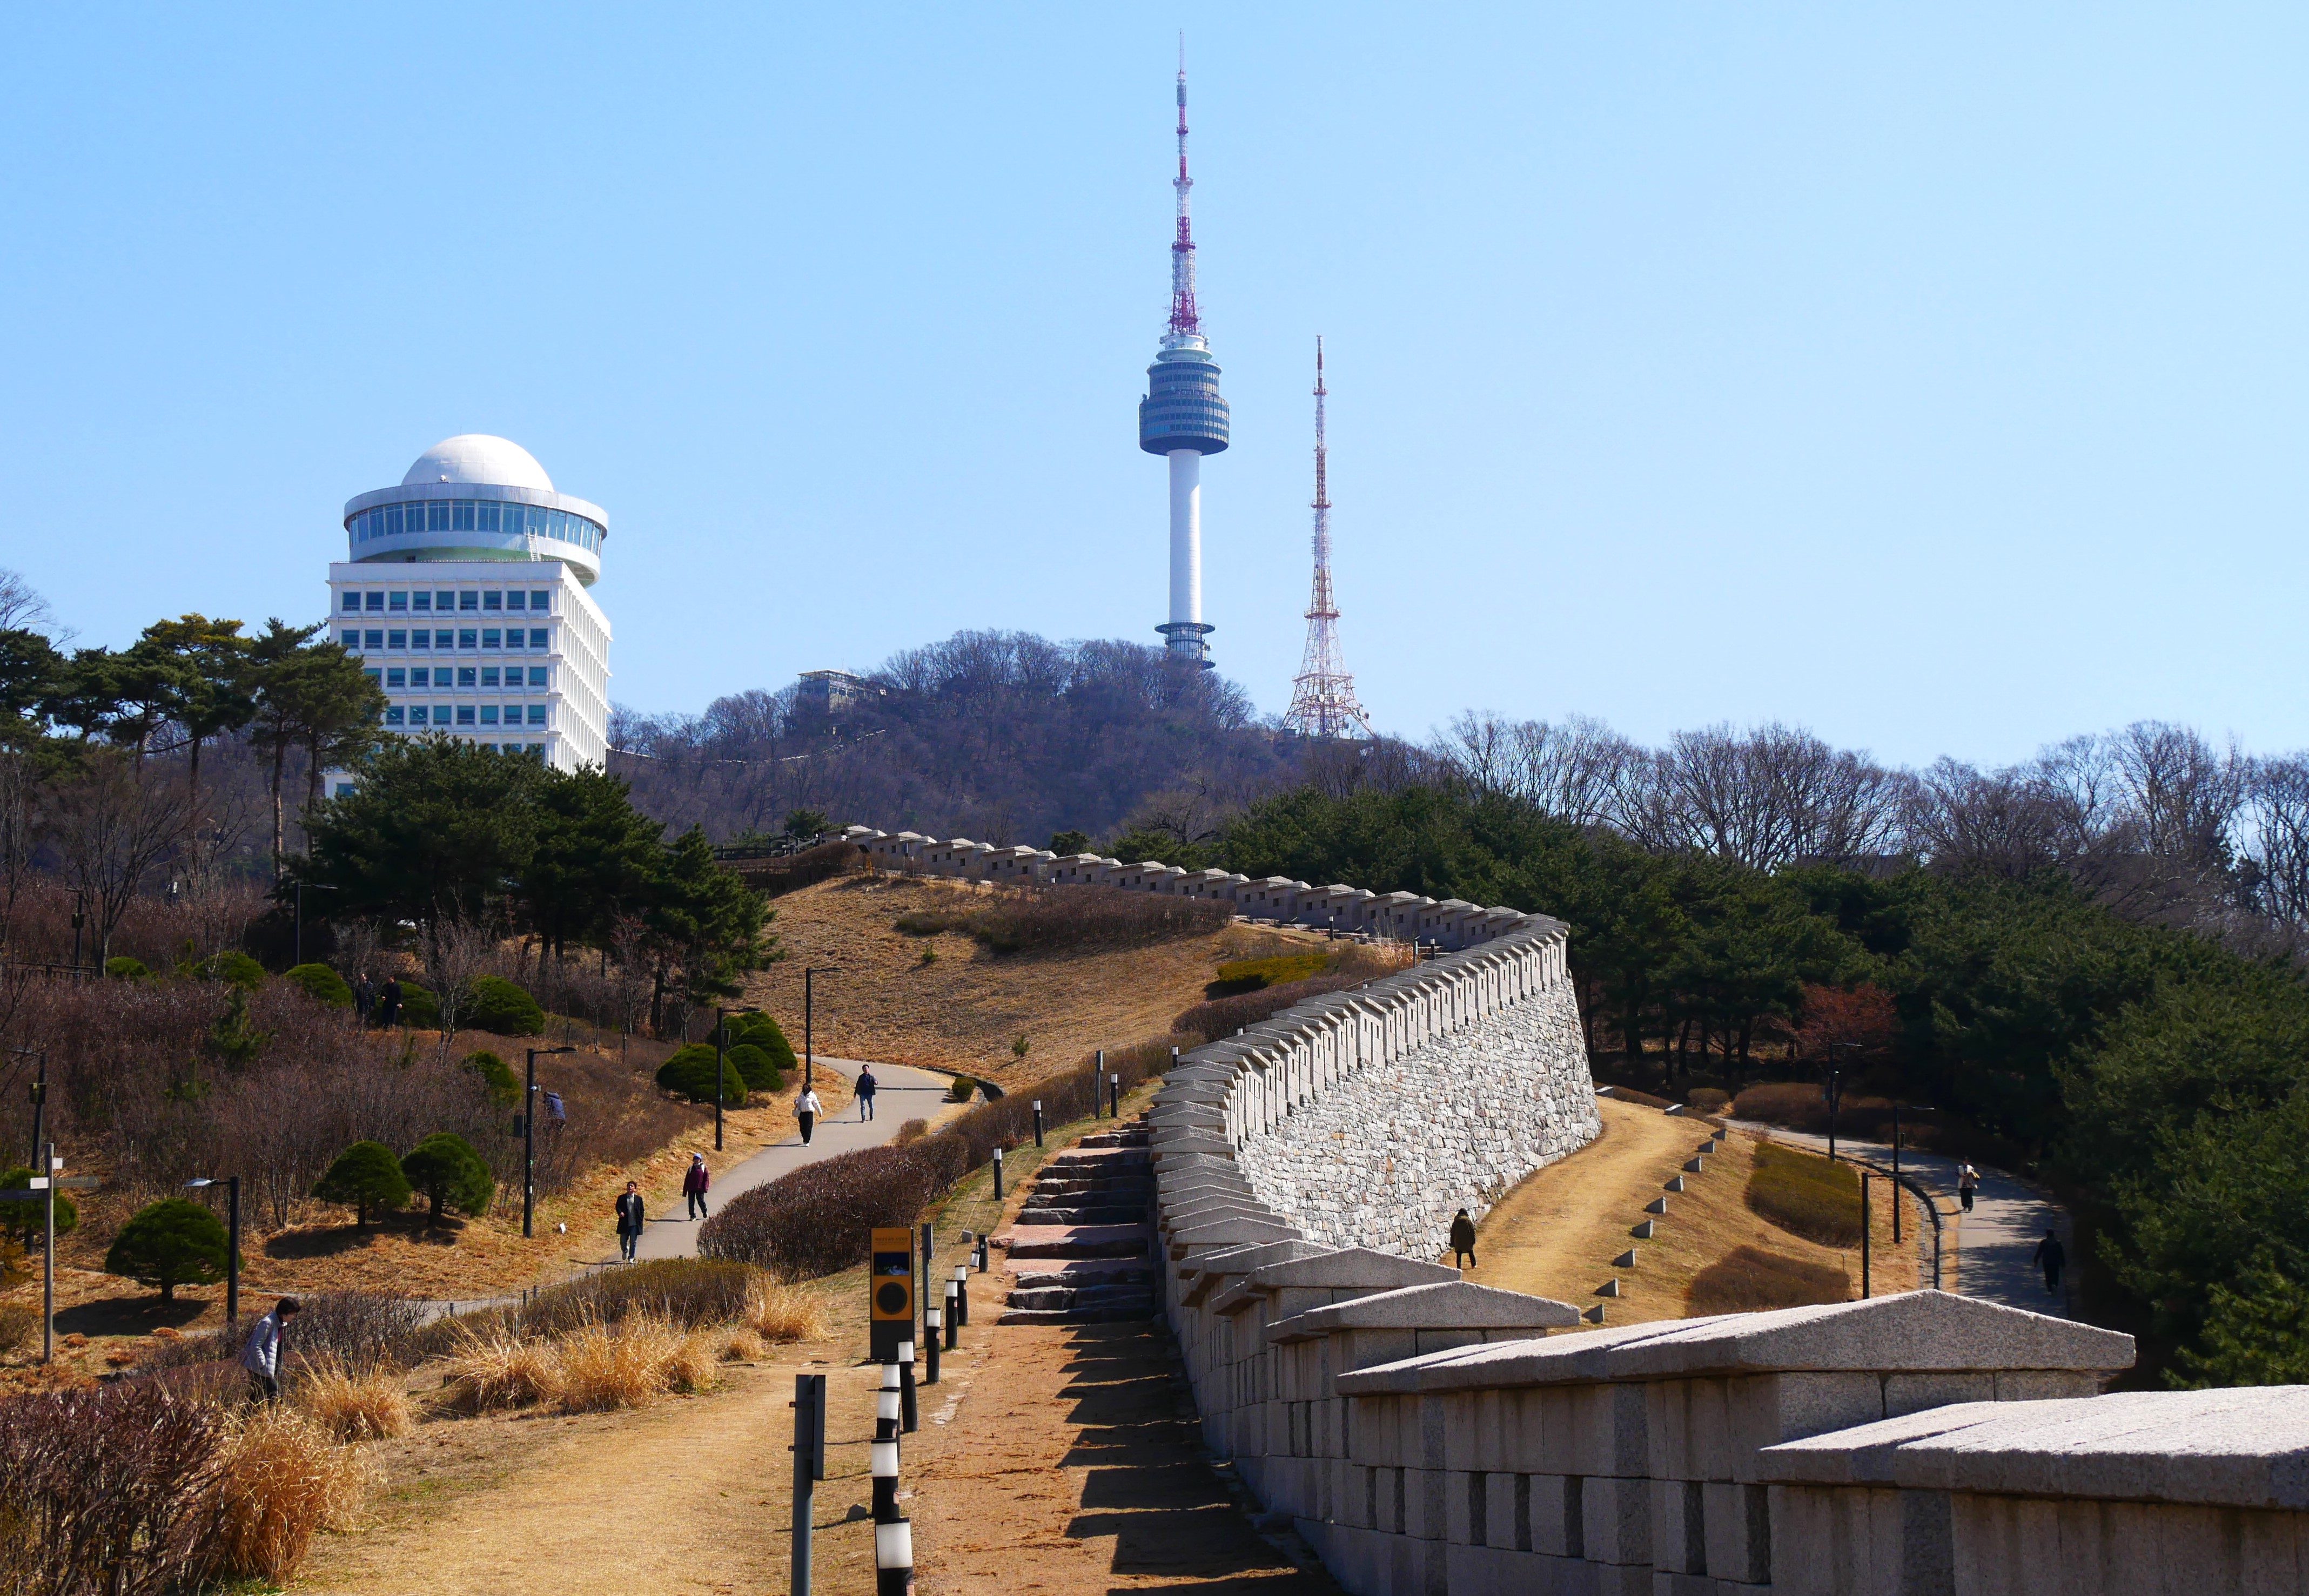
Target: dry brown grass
<point x="496" y="1370"/>
<point x="778" y="1311"/>
<point x="1749" y="1280"/>
<point x="368" y="1407"/>
<point x="629" y="1364"/>
<point x="744" y="1345"/>
<point x="285" y="1480"/>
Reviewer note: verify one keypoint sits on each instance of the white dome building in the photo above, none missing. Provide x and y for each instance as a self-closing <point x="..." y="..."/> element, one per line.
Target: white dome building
<point x="465" y="593"/>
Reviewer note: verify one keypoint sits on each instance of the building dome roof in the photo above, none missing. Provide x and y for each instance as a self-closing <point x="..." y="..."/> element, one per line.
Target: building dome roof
<point x="477" y="457"/>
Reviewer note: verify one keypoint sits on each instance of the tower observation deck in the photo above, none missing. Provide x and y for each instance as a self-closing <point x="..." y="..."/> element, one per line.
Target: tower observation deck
<point x="1182" y="419"/>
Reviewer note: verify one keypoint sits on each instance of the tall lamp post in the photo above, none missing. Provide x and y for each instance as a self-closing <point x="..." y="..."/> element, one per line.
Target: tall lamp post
<point x="300" y="891"/>
<point x="809" y="1048"/>
<point x="231" y="1184"/>
<point x="1835" y="1090"/>
<point x="722" y="1061"/>
<point x="529" y="1141"/>
<point x="38" y="1091"/>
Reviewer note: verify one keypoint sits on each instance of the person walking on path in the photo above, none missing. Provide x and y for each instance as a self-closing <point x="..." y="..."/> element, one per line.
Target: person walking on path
<point x="629" y="1220"/>
<point x="696" y="1184"/>
<point x="261" y="1357"/>
<point x="806" y="1109"/>
<point x="388" y="1003"/>
<point x="1462" y="1240"/>
<point x="2055" y="1257"/>
<point x="867" y="1087"/>
<point x="1968" y="1181"/>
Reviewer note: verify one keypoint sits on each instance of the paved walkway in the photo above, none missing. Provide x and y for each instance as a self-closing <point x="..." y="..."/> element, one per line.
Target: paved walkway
<point x="905" y="1094"/>
<point x="1993" y="1244"/>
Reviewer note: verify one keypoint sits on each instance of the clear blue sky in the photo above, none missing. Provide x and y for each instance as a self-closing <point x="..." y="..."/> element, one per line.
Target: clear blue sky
<point x="1934" y="376"/>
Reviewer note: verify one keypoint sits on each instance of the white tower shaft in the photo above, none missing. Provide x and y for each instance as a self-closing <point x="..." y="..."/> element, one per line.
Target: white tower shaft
<point x="1186" y="536"/>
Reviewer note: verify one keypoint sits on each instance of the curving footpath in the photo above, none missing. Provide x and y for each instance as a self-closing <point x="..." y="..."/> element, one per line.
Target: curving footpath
<point x="905" y="1093"/>
<point x="1993" y="1247"/>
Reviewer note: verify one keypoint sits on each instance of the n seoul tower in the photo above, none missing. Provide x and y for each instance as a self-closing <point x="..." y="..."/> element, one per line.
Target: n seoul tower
<point x="1183" y="418"/>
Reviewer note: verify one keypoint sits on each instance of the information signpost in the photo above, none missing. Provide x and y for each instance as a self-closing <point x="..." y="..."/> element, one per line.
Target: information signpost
<point x="890" y="1285"/>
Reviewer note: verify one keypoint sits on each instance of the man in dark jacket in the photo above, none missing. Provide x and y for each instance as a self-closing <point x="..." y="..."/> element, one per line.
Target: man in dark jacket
<point x="364" y="998"/>
<point x="388" y="1003"/>
<point x="2055" y="1257"/>
<point x="1462" y="1240"/>
<point x="867" y="1087"/>
<point x="629" y="1220"/>
<point x="696" y="1184"/>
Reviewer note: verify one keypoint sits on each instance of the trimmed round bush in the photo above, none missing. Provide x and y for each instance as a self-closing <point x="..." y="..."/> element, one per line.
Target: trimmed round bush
<point x="125" y="969"/>
<point x="234" y="969"/>
<point x="761" y="1074"/>
<point x="963" y="1090"/>
<point x="420" y="1007"/>
<point x="367" y="1176"/>
<point x="174" y="1242"/>
<point x="505" y="1086"/>
<point x="318" y="980"/>
<point x="445" y="1170"/>
<point x="24" y="1219"/>
<point x="498" y="1005"/>
<point x="690" y="1073"/>
<point x="761" y="1032"/>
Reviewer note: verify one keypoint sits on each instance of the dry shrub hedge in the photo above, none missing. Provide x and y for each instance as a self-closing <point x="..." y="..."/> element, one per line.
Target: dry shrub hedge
<point x="1751" y="1280"/>
<point x="285" y="1480"/>
<point x="350" y="1405"/>
<point x="594" y="1367"/>
<point x="108" y="1491"/>
<point x="1055" y="917"/>
<point x="1806" y="1196"/>
<point x="1220" y="1017"/>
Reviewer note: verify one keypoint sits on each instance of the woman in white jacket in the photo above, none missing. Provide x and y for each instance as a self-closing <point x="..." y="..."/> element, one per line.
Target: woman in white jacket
<point x="806" y="1109"/>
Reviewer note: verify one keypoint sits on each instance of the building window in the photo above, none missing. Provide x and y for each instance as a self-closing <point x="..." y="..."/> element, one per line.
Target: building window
<point x="465" y="714"/>
<point x="372" y="639"/>
<point x="489" y="515"/>
<point x="377" y="601"/>
<point x="424" y="600"/>
<point x="462" y="521"/>
<point x="392" y="716"/>
<point x="396" y="677"/>
<point x="469" y="599"/>
<point x="443" y="603"/>
<point x="493" y="599"/>
<point x="464" y="676"/>
<point x="420" y="640"/>
<point x="537" y="748"/>
<point x="468" y="638"/>
<point x="491" y="637"/>
<point x="440" y="714"/>
<point x="350" y="640"/>
<point x="536" y="714"/>
<point x="488" y="714"/>
<point x="352" y="602"/>
<point x="344" y="789"/>
<point x="420" y="677"/>
<point x="437" y="515"/>
<point x="537" y="674"/>
<point x="537" y="637"/>
<point x="397" y="601"/>
<point x="488" y="675"/>
<point x="372" y="675"/>
<point x="396" y="640"/>
<point x="541" y="602"/>
<point x="515" y="601"/>
<point x="440" y="640"/>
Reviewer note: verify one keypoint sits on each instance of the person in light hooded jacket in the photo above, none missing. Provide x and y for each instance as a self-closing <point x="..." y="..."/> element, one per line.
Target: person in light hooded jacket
<point x="806" y="1109"/>
<point x="261" y="1356"/>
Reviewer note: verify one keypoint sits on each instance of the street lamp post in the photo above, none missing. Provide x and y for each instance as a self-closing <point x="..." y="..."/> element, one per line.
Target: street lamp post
<point x="77" y="896"/>
<point x="40" y="1095"/>
<point x="808" y="1050"/>
<point x="317" y="886"/>
<point x="722" y="1061"/>
<point x="529" y="1141"/>
<point x="1835" y="1091"/>
<point x="232" y="1183"/>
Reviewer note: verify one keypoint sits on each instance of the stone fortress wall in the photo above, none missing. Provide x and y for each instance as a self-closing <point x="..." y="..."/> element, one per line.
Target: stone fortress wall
<point x="1427" y="1435"/>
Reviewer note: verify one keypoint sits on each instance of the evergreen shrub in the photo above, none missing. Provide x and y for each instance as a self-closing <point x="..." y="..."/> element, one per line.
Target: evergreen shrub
<point x="505" y="1086"/>
<point x="174" y="1242"/>
<point x="449" y="1174"/>
<point x="318" y="980"/>
<point x="418" y="1006"/>
<point x="754" y="1063"/>
<point x="235" y="968"/>
<point x="367" y="1176"/>
<point x="498" y="1005"/>
<point x="690" y="1073"/>
<point x="125" y="969"/>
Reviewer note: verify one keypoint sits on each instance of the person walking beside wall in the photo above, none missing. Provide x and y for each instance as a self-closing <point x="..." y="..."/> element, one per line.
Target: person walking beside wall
<point x="629" y="1220"/>
<point x="2055" y="1257"/>
<point x="806" y="1109"/>
<point x="696" y="1184"/>
<point x="1968" y="1181"/>
<point x="867" y="1087"/>
<point x="1462" y="1240"/>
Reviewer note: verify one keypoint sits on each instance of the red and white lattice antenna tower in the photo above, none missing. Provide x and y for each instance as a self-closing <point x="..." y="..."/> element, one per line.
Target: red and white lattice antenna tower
<point x="1323" y="695"/>
<point x="1183" y="319"/>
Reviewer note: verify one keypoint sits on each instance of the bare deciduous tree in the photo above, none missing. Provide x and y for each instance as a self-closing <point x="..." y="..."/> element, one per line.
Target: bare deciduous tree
<point x="113" y="826"/>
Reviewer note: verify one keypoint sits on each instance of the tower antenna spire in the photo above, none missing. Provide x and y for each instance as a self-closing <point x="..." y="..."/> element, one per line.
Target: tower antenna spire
<point x="1183" y="318"/>
<point x="1323" y="702"/>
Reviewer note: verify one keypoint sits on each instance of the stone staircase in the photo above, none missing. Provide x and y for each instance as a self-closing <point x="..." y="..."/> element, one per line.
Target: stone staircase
<point x="1078" y="1249"/>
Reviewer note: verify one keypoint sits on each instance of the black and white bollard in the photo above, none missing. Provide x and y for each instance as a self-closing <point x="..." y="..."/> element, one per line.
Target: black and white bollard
<point x="1097" y="1075"/>
<point x="953" y="1314"/>
<point x="810" y="1467"/>
<point x="1114" y="1096"/>
<point x="998" y="1174"/>
<point x="909" y="1411"/>
<point x="894" y="1538"/>
<point x="932" y="1318"/>
<point x="961" y="1294"/>
<point x="887" y="1402"/>
<point x="1038" y="1122"/>
<point x="981" y="1254"/>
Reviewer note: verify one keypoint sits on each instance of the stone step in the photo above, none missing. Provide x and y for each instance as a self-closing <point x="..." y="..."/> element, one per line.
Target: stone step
<point x="1129" y="1215"/>
<point x="1095" y="1183"/>
<point x="1075" y="1316"/>
<point x="1077" y="1241"/>
<point x="1059" y="1297"/>
<point x="1086" y="1272"/>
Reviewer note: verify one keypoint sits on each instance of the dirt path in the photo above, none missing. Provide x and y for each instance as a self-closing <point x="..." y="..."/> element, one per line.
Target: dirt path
<point x="1559" y="1233"/>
